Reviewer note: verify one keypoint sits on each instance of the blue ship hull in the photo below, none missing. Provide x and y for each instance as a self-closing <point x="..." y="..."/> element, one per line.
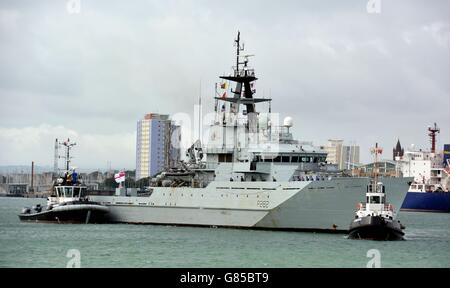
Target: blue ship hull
<point x="427" y="202"/>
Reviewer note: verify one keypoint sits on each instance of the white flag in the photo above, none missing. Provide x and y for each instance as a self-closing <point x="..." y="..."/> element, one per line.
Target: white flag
<point x="119" y="177"/>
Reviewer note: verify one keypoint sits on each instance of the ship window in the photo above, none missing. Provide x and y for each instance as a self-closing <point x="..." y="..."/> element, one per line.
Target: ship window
<point x="374" y="199"/>
<point x="315" y="159"/>
<point x="305" y="159"/>
<point x="76" y="192"/>
<point x="67" y="191"/>
<point x="225" y="158"/>
<point x="285" y="159"/>
<point x="277" y="159"/>
<point x="294" y="159"/>
<point x="267" y="160"/>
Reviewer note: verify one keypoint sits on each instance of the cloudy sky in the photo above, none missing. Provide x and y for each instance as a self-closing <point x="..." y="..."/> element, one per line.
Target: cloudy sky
<point x="90" y="70"/>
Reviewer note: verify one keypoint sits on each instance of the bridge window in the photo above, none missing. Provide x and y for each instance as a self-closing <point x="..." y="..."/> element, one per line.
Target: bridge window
<point x="374" y="200"/>
<point x="67" y="191"/>
<point x="277" y="159"/>
<point x="76" y="192"/>
<point x="294" y="159"/>
<point x="285" y="159"/>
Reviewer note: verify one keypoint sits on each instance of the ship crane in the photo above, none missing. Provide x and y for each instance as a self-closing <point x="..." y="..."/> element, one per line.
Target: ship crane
<point x="195" y="153"/>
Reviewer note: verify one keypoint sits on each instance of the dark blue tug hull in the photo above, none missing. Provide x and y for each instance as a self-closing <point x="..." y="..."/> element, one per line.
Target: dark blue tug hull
<point x="427" y="202"/>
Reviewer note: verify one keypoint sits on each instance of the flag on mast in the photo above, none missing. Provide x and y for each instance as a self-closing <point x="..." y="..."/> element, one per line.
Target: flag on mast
<point x="119" y="177"/>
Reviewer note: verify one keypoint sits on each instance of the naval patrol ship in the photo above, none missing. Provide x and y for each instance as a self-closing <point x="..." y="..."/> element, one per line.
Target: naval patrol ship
<point x="251" y="173"/>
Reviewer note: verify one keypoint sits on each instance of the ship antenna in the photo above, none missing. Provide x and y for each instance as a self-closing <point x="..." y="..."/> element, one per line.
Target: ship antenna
<point x="56" y="157"/>
<point x="238" y="49"/>
<point x="432" y="134"/>
<point x="68" y="147"/>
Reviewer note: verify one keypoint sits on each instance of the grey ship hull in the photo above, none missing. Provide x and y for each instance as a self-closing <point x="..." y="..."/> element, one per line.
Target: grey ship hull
<point x="302" y="205"/>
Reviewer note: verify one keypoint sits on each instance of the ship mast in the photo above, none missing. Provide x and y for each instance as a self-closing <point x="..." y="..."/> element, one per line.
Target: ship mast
<point x="377" y="150"/>
<point x="238" y="48"/>
<point x="243" y="76"/>
<point x="68" y="146"/>
<point x="432" y="134"/>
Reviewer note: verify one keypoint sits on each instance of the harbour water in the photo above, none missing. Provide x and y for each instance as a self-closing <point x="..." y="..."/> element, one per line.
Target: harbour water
<point x="122" y="245"/>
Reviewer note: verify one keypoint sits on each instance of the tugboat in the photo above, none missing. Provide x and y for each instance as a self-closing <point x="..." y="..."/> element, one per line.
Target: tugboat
<point x="68" y="203"/>
<point x="375" y="220"/>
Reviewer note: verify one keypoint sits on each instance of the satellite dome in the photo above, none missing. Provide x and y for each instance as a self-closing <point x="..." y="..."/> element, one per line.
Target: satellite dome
<point x="288" y="122"/>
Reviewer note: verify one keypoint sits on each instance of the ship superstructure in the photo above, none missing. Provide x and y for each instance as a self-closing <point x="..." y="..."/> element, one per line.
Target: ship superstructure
<point x="430" y="190"/>
<point x="251" y="173"/>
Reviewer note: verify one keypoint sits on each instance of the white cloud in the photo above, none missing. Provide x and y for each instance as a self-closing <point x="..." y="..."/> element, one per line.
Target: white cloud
<point x="440" y="31"/>
<point x="8" y="19"/>
<point x="99" y="71"/>
<point x="36" y="143"/>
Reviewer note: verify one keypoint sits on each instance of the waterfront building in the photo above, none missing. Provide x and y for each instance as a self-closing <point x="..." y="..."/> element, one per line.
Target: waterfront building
<point x="345" y="157"/>
<point x="157" y="145"/>
<point x="385" y="167"/>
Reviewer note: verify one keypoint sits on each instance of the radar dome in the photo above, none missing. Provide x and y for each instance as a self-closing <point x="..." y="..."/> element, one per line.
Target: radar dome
<point x="288" y="122"/>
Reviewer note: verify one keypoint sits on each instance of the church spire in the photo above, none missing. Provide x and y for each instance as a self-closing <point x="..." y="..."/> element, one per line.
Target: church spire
<point x="398" y="150"/>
